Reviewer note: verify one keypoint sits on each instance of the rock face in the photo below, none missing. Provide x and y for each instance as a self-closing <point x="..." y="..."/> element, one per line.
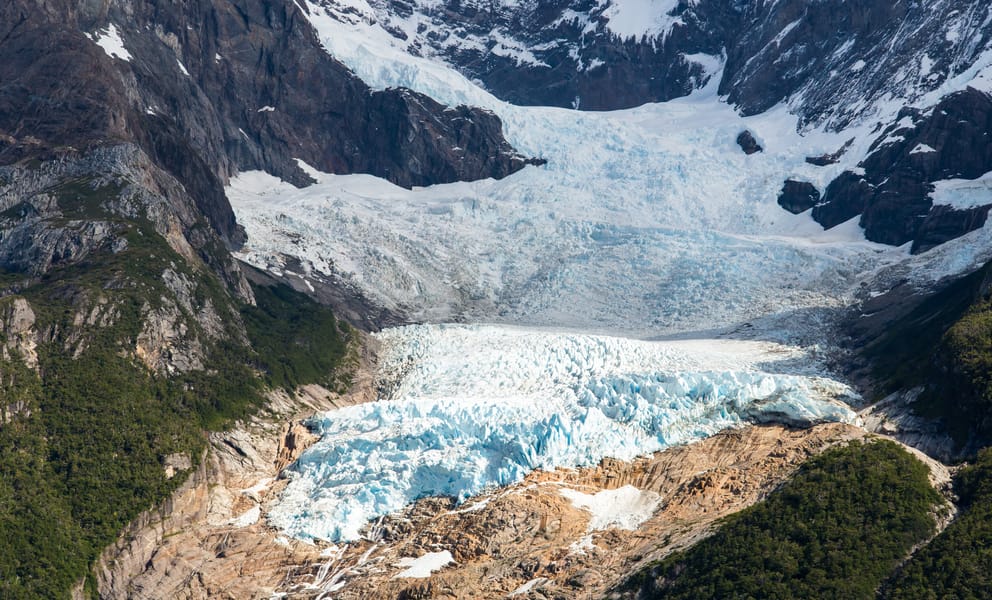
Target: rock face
<point x="798" y="196"/>
<point x="570" y="53"/>
<point x="829" y="61"/>
<point x="206" y="88"/>
<point x="748" y="144"/>
<point x="836" y="59"/>
<point x="893" y="195"/>
<point x="208" y="539"/>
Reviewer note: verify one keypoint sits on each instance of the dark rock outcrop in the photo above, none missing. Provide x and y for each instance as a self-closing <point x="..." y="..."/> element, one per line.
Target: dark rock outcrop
<point x="748" y="144"/>
<point x="838" y="58"/>
<point x="844" y="200"/>
<point x="216" y="86"/>
<point x="798" y="196"/>
<point x="833" y="158"/>
<point x="945" y="223"/>
<point x="563" y="53"/>
<point x="951" y="141"/>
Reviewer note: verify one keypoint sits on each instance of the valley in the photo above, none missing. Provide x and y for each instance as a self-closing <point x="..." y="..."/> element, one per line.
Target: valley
<point x="449" y="299"/>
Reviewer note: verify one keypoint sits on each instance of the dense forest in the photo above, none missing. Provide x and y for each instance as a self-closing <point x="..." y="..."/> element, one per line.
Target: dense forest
<point x="837" y="529"/>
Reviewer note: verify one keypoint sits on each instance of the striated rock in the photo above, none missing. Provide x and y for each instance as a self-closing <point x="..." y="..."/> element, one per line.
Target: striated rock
<point x="798" y="196"/>
<point x="17" y="331"/>
<point x="944" y="223"/>
<point x="166" y="344"/>
<point x="209" y="540"/>
<point x="530" y="539"/>
<point x="833" y="61"/>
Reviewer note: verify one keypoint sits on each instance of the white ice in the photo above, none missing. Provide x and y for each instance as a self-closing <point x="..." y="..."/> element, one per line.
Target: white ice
<point x="473" y="407"/>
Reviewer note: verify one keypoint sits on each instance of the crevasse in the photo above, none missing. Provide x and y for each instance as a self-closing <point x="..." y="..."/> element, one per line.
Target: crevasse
<point x="479" y="407"/>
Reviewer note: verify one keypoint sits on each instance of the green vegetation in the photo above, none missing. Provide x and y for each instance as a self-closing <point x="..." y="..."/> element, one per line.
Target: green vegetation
<point x="958" y="563"/>
<point x="84" y="439"/>
<point x="836" y="530"/>
<point x="960" y="388"/>
<point x="945" y="347"/>
<point x="297" y="340"/>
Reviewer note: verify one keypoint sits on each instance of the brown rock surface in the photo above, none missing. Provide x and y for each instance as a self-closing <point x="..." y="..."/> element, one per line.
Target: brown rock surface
<point x="209" y="540"/>
<point x="530" y="535"/>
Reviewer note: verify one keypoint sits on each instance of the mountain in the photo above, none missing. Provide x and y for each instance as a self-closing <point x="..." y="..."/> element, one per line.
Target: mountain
<point x="202" y="203"/>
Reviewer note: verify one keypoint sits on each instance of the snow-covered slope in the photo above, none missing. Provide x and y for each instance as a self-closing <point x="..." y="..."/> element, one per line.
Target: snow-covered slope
<point x="647" y="220"/>
<point x="832" y="61"/>
<point x="477" y="407"/>
<point x="594" y="54"/>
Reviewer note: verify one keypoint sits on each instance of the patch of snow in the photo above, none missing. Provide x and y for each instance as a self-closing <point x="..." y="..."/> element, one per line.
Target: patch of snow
<point x="858" y="66"/>
<point x="265" y="109"/>
<point x="110" y="40"/>
<point x="182" y="67"/>
<point x="922" y="149"/>
<point x="475" y="507"/>
<point x="963" y="194"/>
<point x="256" y="489"/>
<point x="249" y="517"/>
<point x="786" y="31"/>
<point x="711" y="64"/>
<point x="423" y="566"/>
<point x="593" y="64"/>
<point x="623" y="508"/>
<point x="582" y="545"/>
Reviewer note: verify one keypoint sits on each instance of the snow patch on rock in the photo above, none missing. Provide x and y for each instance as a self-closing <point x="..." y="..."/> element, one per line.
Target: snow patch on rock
<point x="423" y="566"/>
<point x="963" y="194"/>
<point x="109" y="39"/>
<point x="623" y="508"/>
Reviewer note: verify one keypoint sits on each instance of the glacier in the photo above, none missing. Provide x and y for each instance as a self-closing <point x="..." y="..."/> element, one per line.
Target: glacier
<point x="645" y="224"/>
<point x="648" y="221"/>
<point x="472" y="408"/>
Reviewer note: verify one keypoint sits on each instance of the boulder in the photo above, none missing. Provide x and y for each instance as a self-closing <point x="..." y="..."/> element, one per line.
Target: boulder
<point x="798" y="196"/>
<point x="748" y="144"/>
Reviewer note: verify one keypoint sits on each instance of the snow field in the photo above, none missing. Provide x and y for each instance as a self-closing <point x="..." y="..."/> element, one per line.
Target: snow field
<point x="423" y="566"/>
